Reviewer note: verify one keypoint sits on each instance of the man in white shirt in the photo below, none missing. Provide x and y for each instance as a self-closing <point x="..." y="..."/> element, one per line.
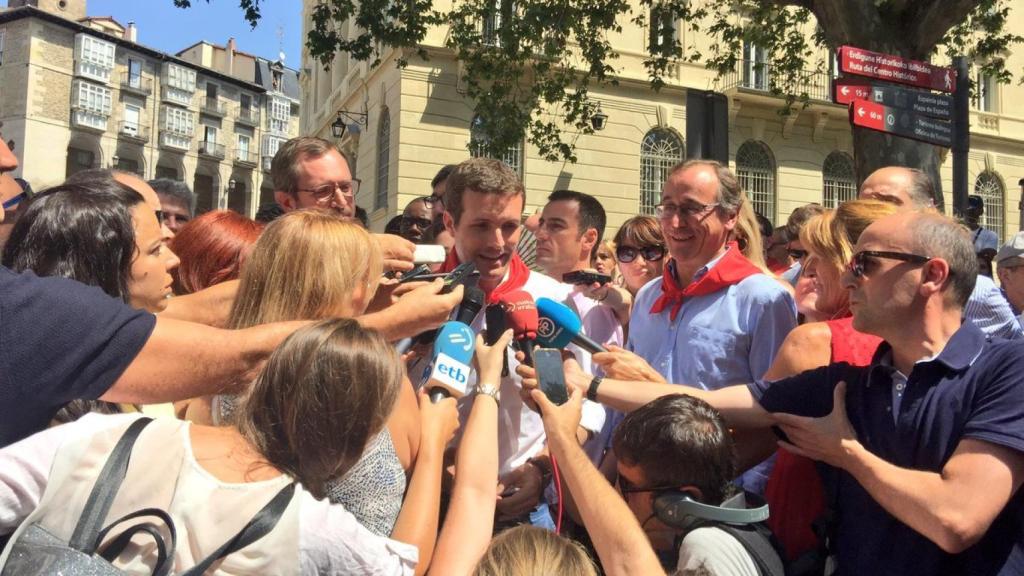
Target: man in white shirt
<point x="483" y="209"/>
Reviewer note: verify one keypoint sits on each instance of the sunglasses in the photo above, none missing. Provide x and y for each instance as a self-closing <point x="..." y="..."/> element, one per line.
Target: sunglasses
<point x="861" y="261"/>
<point x="431" y="200"/>
<point x="627" y="254"/>
<point x="626" y="487"/>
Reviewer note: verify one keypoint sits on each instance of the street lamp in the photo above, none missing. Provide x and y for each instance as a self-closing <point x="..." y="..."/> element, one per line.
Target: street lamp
<point x="339" y="126"/>
<point x="598" y="119"/>
<point x="115" y="161"/>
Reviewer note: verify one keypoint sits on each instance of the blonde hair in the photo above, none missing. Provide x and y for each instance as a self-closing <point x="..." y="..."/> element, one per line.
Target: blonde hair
<point x="530" y="551"/>
<point x="608" y="246"/>
<point x="850" y="219"/>
<point x="305" y="266"/>
<point x="748" y="234"/>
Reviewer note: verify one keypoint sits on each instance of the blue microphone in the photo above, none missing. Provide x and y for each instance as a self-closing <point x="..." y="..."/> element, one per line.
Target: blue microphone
<point x="560" y="326"/>
<point x="450" y="367"/>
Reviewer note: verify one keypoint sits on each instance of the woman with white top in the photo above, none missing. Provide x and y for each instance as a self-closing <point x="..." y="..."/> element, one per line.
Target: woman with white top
<point x="307" y="419"/>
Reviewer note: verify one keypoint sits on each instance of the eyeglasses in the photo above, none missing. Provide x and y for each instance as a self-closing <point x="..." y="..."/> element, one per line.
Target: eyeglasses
<point x="431" y="200"/>
<point x="860" y="261"/>
<point x="412" y="221"/>
<point x="797" y="254"/>
<point x="325" y="192"/>
<point x="627" y="254"/>
<point x="626" y="487"/>
<point x="686" y="212"/>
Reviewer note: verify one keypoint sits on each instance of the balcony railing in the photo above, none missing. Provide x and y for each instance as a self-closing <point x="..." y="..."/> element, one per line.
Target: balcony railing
<point x="246" y="157"/>
<point x="137" y="84"/>
<point x="175" y="139"/>
<point x="250" y="116"/>
<point x="214" y="107"/>
<point x="211" y="149"/>
<point x="756" y="77"/>
<point x="133" y="130"/>
<point x="89" y="118"/>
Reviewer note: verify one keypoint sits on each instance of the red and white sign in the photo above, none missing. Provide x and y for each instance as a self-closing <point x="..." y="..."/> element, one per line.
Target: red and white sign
<point x="846" y="90"/>
<point x="896" y="69"/>
<point x="868" y="115"/>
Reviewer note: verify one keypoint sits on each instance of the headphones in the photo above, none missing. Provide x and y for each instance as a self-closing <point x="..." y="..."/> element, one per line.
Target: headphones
<point x="679" y="510"/>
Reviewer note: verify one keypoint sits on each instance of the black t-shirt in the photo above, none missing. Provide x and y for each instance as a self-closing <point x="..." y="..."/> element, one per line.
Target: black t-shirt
<point x="60" y="340"/>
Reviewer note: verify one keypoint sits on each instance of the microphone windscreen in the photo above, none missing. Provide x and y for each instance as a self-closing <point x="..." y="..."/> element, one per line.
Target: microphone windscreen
<point x="456" y="340"/>
<point x="521" y="314"/>
<point x="473" y="299"/>
<point x="558" y="324"/>
<point x="453" y="352"/>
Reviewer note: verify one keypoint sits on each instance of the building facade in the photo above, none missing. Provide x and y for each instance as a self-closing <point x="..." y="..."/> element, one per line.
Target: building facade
<point x="419" y="120"/>
<point x="80" y="93"/>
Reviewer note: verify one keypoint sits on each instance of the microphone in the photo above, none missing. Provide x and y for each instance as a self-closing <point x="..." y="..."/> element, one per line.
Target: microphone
<point x="521" y="313"/>
<point x="453" y="352"/>
<point x="560" y="326"/>
<point x="473" y="299"/>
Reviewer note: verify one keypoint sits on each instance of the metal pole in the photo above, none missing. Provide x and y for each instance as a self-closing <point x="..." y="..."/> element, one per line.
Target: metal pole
<point x="961" y="134"/>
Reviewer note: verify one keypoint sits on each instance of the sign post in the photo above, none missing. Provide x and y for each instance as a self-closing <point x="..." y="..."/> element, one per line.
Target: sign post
<point x="915" y="112"/>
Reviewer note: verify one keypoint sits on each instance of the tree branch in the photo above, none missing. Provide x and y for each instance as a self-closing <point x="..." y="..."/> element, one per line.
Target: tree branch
<point x="929" y="21"/>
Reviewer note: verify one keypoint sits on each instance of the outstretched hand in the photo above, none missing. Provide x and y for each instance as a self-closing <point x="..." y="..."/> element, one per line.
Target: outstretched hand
<point x="824" y="439"/>
<point x="622" y="364"/>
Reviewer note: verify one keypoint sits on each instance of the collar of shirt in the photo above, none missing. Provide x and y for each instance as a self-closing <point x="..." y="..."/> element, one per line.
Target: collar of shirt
<point x="703" y="269"/>
<point x="962" y="349"/>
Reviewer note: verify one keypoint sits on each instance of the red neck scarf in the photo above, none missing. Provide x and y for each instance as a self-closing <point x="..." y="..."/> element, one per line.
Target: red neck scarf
<point x="518" y="273"/>
<point x="730" y="269"/>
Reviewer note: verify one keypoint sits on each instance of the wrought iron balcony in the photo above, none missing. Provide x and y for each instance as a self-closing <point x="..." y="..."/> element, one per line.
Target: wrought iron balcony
<point x="753" y="76"/>
<point x="213" y="107"/>
<point x="133" y="131"/>
<point x="211" y="149"/>
<point x="136" y="84"/>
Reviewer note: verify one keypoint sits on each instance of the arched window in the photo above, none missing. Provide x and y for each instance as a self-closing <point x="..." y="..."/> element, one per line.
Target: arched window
<point x="755" y="169"/>
<point x="990" y="187"/>
<point x="479" y="147"/>
<point x="380" y="197"/>
<point x="659" y="152"/>
<point x="839" y="182"/>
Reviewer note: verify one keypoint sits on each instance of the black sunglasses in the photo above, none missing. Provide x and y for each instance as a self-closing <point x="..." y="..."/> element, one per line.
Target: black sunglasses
<point x="859" y="262"/>
<point x="627" y="254"/>
<point x="626" y="487"/>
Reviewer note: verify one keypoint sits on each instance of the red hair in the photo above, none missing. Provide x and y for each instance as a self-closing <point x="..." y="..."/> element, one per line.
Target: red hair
<point x="212" y="249"/>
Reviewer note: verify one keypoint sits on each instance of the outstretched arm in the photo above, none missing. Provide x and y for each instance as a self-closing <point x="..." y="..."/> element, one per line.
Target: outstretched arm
<point x="618" y="538"/>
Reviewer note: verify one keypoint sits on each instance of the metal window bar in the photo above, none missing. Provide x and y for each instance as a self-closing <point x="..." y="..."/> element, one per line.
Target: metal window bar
<point x="839" y="183"/>
<point x="380" y="197"/>
<point x="659" y="152"/>
<point x="990" y="188"/>
<point x="756" y="173"/>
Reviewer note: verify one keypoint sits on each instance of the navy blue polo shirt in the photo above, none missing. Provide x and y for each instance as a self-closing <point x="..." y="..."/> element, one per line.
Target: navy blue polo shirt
<point x="60" y="340"/>
<point x="973" y="389"/>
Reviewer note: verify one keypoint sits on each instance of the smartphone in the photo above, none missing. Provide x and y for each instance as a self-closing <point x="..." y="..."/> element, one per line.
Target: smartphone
<point x="462" y="274"/>
<point x="581" y="277"/>
<point x="548" y="362"/>
<point x="416" y="274"/>
<point x="495" y="317"/>
<point x="428" y="254"/>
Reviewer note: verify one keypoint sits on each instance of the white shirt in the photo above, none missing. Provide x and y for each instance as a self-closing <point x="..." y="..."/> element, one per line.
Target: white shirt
<point x="47" y="477"/>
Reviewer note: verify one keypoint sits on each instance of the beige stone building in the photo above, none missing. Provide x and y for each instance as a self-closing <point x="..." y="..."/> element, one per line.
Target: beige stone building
<point x="419" y="120"/>
<point x="80" y="92"/>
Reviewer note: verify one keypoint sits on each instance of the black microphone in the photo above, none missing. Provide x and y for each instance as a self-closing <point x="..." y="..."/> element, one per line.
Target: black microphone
<point x="473" y="299"/>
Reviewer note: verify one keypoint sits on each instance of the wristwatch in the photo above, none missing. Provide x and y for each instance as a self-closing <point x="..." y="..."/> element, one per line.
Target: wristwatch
<point x="490" y="390"/>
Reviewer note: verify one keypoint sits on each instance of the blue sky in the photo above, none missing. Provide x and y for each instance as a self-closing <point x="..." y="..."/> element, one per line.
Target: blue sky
<point x="170" y="29"/>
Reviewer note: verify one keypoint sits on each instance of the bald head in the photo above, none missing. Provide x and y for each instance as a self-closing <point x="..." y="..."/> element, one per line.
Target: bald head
<point x="908" y="188"/>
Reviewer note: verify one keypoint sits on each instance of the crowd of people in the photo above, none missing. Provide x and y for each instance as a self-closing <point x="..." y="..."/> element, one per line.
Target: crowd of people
<point x="837" y="394"/>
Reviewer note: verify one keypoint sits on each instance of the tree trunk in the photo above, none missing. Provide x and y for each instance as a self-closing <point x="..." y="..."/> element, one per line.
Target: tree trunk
<point x="873" y="150"/>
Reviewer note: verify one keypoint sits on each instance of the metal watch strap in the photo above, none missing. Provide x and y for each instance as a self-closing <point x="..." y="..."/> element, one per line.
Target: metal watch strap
<point x="592" y="389"/>
<point x="489" y="390"/>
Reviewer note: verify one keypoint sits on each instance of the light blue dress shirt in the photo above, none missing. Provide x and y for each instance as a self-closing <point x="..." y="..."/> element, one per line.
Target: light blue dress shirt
<point x="728" y="337"/>
<point x="988" y="309"/>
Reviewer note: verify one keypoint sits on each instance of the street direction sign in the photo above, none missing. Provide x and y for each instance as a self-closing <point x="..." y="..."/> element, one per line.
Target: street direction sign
<point x="896" y="69"/>
<point x="919" y="101"/>
<point x="901" y="122"/>
<point x="846" y="89"/>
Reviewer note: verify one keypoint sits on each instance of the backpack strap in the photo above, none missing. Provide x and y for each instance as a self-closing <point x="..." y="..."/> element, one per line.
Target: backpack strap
<point x="257" y="528"/>
<point x="104" y="490"/>
<point x="756" y="540"/>
<point x="165" y="557"/>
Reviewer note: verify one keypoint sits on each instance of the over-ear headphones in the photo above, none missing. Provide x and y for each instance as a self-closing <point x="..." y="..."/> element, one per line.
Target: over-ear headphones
<point x="679" y="510"/>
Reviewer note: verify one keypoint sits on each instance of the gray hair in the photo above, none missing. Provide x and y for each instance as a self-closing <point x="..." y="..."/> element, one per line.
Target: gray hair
<point x="938" y="236"/>
<point x="922" y="189"/>
<point x="177" y="190"/>
<point x="730" y="193"/>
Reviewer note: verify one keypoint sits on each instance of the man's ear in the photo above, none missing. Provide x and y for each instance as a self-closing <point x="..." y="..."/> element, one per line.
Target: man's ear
<point x="285" y="200"/>
<point x="934" y="276"/>
<point x="589" y="240"/>
<point x="449" y="222"/>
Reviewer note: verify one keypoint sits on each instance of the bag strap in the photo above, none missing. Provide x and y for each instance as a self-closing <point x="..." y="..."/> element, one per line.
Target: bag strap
<point x="756" y="540"/>
<point x="104" y="490"/>
<point x="117" y="545"/>
<point x="257" y="528"/>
